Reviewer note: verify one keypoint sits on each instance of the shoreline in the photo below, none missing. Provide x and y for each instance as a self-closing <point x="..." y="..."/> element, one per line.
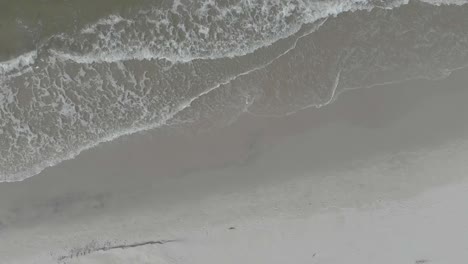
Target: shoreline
<point x="148" y="130"/>
<point x="161" y="185"/>
<point x="82" y="118"/>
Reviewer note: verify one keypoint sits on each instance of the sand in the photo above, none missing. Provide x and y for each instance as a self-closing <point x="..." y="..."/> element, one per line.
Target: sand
<point x="378" y="176"/>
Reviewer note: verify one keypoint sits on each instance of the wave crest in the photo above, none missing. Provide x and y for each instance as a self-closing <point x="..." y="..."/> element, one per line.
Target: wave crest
<point x="111" y="79"/>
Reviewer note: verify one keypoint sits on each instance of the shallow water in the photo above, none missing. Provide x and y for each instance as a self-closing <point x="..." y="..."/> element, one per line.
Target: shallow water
<point x="74" y="75"/>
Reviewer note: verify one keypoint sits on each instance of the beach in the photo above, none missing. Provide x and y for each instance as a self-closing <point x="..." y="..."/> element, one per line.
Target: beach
<point x="344" y="140"/>
<point x="272" y="176"/>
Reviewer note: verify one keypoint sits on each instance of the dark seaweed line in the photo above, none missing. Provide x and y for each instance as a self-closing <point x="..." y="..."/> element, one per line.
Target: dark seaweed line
<point x="87" y="251"/>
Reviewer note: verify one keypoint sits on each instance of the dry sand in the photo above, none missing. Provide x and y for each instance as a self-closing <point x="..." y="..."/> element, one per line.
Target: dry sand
<point x="376" y="177"/>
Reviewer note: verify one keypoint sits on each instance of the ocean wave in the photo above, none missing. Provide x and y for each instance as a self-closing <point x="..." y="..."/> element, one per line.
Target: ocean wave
<point x="196" y="30"/>
<point x="205" y="30"/>
<point x="16" y="65"/>
<point x="123" y="75"/>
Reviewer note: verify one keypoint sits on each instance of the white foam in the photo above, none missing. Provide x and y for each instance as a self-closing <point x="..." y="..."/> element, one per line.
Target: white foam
<point x="116" y="52"/>
<point x="241" y="34"/>
<point x="114" y="38"/>
<point x="112" y="20"/>
<point x="18" y="63"/>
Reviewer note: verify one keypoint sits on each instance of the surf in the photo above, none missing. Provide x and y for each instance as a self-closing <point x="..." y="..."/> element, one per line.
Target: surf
<point x="123" y="75"/>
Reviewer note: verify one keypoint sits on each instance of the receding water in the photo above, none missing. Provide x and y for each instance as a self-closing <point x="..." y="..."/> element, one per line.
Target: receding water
<point x="78" y="73"/>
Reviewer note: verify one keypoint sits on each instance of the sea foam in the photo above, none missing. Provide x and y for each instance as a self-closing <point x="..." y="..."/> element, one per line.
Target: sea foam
<point x="122" y="75"/>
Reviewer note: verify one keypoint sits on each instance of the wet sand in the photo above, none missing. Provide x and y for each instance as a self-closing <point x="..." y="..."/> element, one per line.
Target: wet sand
<point x="390" y="158"/>
<point x="122" y="75"/>
<point x="236" y="174"/>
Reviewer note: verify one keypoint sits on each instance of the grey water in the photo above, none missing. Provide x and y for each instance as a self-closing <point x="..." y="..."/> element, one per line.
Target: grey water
<point x="74" y="74"/>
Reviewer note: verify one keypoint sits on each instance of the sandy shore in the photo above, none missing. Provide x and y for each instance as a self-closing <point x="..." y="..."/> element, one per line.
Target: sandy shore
<point x="326" y="185"/>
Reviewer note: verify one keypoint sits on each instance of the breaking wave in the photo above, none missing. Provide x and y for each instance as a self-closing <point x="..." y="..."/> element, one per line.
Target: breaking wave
<point x="125" y="74"/>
